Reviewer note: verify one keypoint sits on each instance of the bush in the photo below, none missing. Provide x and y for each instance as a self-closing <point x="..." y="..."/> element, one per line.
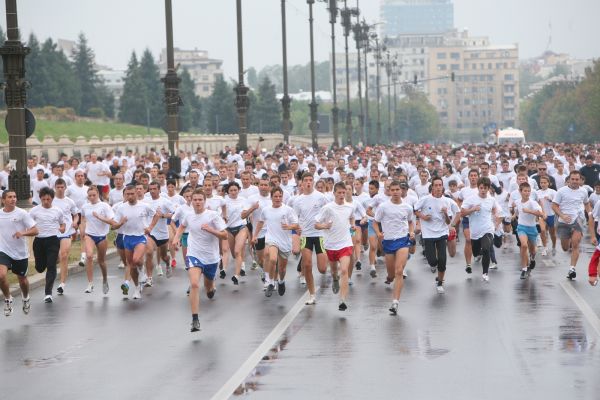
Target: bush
<point x="96" y="112"/>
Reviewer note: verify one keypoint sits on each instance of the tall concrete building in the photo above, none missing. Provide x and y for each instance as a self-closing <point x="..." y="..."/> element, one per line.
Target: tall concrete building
<point x="416" y="16"/>
<point x="203" y="69"/>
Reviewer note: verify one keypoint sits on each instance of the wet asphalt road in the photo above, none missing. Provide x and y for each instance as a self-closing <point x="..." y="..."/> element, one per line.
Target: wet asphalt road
<point x="508" y="339"/>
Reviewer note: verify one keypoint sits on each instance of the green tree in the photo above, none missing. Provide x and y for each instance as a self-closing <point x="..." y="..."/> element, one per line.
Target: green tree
<point x="266" y="111"/>
<point x="154" y="89"/>
<point x="418" y="120"/>
<point x="221" y="117"/>
<point x="133" y="100"/>
<point x="85" y="71"/>
<point x="190" y="115"/>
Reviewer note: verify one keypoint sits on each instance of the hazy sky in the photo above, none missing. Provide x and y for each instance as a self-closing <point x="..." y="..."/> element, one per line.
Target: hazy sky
<point x="115" y="28"/>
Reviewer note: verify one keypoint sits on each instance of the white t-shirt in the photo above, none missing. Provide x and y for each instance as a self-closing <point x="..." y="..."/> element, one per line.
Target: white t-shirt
<point x="68" y="208"/>
<point x="12" y="222"/>
<point x="436" y="227"/>
<point x="422" y="190"/>
<point x="161" y="230"/>
<point x="481" y="222"/>
<point x="177" y="200"/>
<point x="137" y="217"/>
<point x="524" y="218"/>
<point x="467" y="192"/>
<point x="272" y="219"/>
<point x="394" y="219"/>
<point x="36" y="186"/>
<point x="47" y="220"/>
<point x="545" y="197"/>
<point x="78" y="194"/>
<point x="180" y="212"/>
<point x="338" y="236"/>
<point x="248" y="192"/>
<point x="92" y="170"/>
<point x="215" y="203"/>
<point x="596" y="214"/>
<point x="93" y="226"/>
<point x="263" y="202"/>
<point x="571" y="202"/>
<point x="203" y="245"/>
<point x="115" y="196"/>
<point x="234" y="208"/>
<point x="307" y="208"/>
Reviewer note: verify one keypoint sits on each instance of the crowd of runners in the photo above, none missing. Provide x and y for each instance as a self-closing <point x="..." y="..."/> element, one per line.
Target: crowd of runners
<point x="295" y="205"/>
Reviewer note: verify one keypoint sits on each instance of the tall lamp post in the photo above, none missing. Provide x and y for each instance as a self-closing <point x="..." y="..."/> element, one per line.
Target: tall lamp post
<point x="362" y="38"/>
<point x="314" y="123"/>
<point x="378" y="83"/>
<point x="395" y="71"/>
<point x="241" y="90"/>
<point x="15" y="93"/>
<point x="285" y="100"/>
<point x="172" y="98"/>
<point x="347" y="24"/>
<point x="388" y="73"/>
<point x="333" y="11"/>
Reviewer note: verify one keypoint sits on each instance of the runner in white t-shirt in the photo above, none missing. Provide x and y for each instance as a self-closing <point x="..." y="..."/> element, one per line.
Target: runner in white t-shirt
<point x="71" y="215"/>
<point x="548" y="224"/>
<point x="526" y="211"/>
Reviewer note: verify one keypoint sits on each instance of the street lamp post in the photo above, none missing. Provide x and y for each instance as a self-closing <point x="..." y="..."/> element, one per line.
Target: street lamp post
<point x="15" y="93"/>
<point x="285" y="100"/>
<point x="361" y="117"/>
<point x="333" y="11"/>
<point x="388" y="72"/>
<point x="314" y="124"/>
<point x="241" y="90"/>
<point x="378" y="83"/>
<point x="172" y="98"/>
<point x="363" y="31"/>
<point x="347" y="24"/>
<point x="396" y="67"/>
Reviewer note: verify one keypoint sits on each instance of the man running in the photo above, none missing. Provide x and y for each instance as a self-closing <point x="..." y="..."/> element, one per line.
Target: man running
<point x="71" y="217"/>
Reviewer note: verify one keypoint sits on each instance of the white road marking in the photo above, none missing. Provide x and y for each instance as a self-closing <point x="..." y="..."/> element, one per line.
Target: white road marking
<point x="238" y="377"/>
<point x="585" y="308"/>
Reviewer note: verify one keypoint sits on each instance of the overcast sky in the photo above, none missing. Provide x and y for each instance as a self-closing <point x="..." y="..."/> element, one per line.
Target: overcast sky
<point x="116" y="27"/>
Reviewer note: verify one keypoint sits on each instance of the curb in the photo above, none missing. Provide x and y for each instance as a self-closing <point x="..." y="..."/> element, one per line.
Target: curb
<point x="39" y="280"/>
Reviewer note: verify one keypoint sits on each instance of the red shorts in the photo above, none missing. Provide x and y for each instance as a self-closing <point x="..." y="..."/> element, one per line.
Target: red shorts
<point x="452" y="236"/>
<point x="336" y="255"/>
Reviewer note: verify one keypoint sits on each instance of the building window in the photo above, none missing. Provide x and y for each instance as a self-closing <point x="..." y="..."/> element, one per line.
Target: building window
<point x="508" y="77"/>
<point x="455" y="56"/>
<point x="441" y="67"/>
<point x="441" y="56"/>
<point x="205" y="88"/>
<point x="455" y="67"/>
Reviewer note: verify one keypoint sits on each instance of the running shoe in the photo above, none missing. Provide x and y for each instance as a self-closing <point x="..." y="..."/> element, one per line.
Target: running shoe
<point x="125" y="288"/>
<point x="235" y="280"/>
<point x="388" y="280"/>
<point x="523" y="273"/>
<point x="137" y="294"/>
<point x="485" y="278"/>
<point x="468" y="269"/>
<point x="394" y="308"/>
<point x="433" y="269"/>
<point x="254" y="265"/>
<point x="269" y="290"/>
<point x="159" y="270"/>
<point x="105" y="287"/>
<point x="311" y="301"/>
<point x="440" y="287"/>
<point x="243" y="272"/>
<point x="195" y="326"/>
<point x="148" y="282"/>
<point x="48" y="298"/>
<point x="404" y="273"/>
<point x="373" y="272"/>
<point x="222" y="274"/>
<point x="493" y="266"/>
<point x="335" y="286"/>
<point x="262" y="275"/>
<point x="8" y="306"/>
<point x="90" y="288"/>
<point x="358" y="266"/>
<point x="553" y="252"/>
<point x="350" y="282"/>
<point x="121" y="265"/>
<point x="544" y="252"/>
<point x="173" y="263"/>
<point x="61" y="289"/>
<point x="572" y="274"/>
<point x="211" y="293"/>
<point x="303" y="280"/>
<point x="342" y="306"/>
<point x="188" y="290"/>
<point x="82" y="261"/>
<point x="281" y="288"/>
<point x="26" y="305"/>
<point x="169" y="270"/>
<point x="531" y="264"/>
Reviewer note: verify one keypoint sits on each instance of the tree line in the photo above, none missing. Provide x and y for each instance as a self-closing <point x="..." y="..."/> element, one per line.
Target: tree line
<point x="565" y="111"/>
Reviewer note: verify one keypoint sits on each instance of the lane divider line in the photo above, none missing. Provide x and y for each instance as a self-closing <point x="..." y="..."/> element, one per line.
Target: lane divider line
<point x="246" y="368"/>
<point x="583" y="306"/>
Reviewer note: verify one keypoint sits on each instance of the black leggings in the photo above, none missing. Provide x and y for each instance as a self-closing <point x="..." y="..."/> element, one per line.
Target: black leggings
<point x="435" y="252"/>
<point x="482" y="247"/>
<point x="45" y="252"/>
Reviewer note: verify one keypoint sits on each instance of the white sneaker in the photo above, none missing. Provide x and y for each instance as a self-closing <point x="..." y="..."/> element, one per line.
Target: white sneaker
<point x="553" y="252"/>
<point x="8" y="306"/>
<point x="440" y="289"/>
<point x="148" y="282"/>
<point x="404" y="273"/>
<point x="493" y="266"/>
<point x="82" y="261"/>
<point x="105" y="287"/>
<point x="61" y="289"/>
<point x="121" y="265"/>
<point x="350" y="283"/>
<point x="303" y="280"/>
<point x="48" y="298"/>
<point x="311" y="301"/>
<point x="90" y="288"/>
<point x="485" y="278"/>
<point x="137" y="294"/>
<point x="159" y="270"/>
<point x="544" y="251"/>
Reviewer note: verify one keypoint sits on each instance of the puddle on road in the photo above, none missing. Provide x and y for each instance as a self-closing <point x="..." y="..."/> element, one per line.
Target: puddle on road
<point x="64" y="357"/>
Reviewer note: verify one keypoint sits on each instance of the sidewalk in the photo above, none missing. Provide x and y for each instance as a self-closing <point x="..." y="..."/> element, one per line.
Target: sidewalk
<point x="39" y="279"/>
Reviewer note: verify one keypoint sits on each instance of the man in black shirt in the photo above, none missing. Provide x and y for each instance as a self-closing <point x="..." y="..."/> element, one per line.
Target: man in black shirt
<point x="590" y="171"/>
